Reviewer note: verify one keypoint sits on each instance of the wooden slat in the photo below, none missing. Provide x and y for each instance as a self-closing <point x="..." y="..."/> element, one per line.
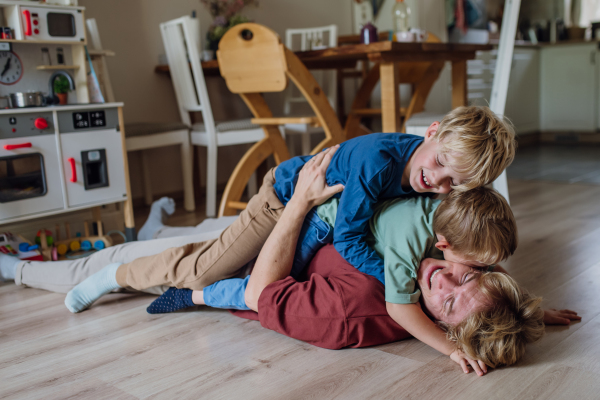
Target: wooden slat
<point x="313" y="121"/>
<point x="373" y="112"/>
<point x="238" y="205"/>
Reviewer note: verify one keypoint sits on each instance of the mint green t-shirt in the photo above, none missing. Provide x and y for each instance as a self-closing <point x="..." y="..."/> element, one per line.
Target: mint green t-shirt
<point x="401" y="232"/>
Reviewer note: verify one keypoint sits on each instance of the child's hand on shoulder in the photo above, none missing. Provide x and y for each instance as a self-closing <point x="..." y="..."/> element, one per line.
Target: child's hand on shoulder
<point x="461" y="359"/>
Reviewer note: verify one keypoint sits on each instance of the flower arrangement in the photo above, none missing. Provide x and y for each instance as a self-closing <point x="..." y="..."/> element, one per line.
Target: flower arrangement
<point x="225" y="14"/>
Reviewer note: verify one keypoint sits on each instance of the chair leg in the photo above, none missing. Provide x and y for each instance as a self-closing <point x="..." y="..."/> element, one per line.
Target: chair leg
<point x="146" y="165"/>
<point x="187" y="164"/>
<point x="211" y="180"/>
<point x="306" y="148"/>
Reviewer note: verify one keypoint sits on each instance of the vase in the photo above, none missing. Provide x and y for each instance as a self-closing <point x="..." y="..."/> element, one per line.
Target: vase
<point x="62" y="98"/>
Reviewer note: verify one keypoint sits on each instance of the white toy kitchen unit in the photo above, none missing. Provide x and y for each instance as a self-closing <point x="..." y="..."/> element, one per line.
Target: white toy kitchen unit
<point x="58" y="159"/>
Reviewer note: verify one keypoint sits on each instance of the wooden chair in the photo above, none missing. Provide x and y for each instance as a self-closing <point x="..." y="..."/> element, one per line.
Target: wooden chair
<point x="192" y="96"/>
<point x="303" y="40"/>
<point x="422" y="75"/>
<point x="143" y="136"/>
<point x="252" y="60"/>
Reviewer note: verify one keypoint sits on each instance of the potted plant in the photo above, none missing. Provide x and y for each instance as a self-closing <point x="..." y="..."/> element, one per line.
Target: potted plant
<point x="225" y="14"/>
<point x="61" y="89"/>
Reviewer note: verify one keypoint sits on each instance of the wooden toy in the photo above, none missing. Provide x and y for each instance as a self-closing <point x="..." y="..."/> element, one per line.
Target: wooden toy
<point x="54" y="248"/>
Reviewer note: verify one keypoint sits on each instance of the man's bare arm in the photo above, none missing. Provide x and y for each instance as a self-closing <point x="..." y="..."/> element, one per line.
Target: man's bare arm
<point x="276" y="257"/>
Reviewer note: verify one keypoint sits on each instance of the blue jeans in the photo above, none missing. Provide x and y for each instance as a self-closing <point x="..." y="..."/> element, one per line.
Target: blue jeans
<point x="229" y="293"/>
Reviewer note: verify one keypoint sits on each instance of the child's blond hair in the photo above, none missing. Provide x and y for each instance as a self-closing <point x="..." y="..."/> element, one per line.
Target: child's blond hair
<point x="478" y="224"/>
<point x="480" y="144"/>
<point x="499" y="334"/>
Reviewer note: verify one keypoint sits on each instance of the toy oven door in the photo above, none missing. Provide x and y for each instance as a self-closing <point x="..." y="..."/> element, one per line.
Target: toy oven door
<point x="29" y="176"/>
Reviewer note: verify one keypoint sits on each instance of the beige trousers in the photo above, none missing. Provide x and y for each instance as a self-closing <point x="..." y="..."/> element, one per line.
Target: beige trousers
<point x="197" y="265"/>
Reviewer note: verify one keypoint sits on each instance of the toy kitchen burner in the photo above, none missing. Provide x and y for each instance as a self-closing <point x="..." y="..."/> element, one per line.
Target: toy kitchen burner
<point x="59" y="159"/>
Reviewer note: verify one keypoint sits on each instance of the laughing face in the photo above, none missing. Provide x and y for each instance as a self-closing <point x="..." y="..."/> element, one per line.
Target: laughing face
<point x="449" y="290"/>
<point x="429" y="169"/>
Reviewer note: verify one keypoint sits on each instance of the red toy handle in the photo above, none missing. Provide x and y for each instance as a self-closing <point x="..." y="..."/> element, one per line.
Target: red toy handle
<point x="27" y="15"/>
<point x="16" y="146"/>
<point x="73" y="170"/>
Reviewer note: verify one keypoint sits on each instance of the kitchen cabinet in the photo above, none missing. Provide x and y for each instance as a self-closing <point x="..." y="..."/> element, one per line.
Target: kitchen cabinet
<point x="523" y="97"/>
<point x="569" y="87"/>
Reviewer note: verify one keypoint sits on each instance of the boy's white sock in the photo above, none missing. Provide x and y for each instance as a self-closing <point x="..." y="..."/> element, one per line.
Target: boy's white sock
<point x="8" y="267"/>
<point x="158" y="215"/>
<point x="102" y="282"/>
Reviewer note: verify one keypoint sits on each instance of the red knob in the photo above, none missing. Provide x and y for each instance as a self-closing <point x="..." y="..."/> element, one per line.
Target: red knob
<point x="40" y="123"/>
<point x="35" y="22"/>
<point x="36" y="31"/>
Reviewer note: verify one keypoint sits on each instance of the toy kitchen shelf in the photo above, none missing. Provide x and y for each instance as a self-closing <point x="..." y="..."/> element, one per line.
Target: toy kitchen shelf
<point x="32" y="23"/>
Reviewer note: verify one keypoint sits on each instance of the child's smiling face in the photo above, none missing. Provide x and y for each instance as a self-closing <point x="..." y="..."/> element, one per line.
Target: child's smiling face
<point x="428" y="170"/>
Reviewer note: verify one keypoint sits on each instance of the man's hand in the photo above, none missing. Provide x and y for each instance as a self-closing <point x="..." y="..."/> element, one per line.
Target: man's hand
<point x="311" y="189"/>
<point x="560" y="317"/>
<point x="461" y="359"/>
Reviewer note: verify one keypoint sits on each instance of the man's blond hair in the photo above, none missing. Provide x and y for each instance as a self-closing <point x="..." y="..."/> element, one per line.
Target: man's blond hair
<point x="478" y="224"/>
<point x="499" y="334"/>
<point x="480" y="143"/>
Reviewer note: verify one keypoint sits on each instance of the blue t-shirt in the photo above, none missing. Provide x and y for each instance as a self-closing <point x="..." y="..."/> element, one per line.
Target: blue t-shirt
<point x="370" y="167"/>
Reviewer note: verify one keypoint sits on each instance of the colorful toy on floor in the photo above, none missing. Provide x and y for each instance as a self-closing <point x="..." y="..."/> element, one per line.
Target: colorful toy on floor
<point x="53" y="248"/>
<point x="17" y="246"/>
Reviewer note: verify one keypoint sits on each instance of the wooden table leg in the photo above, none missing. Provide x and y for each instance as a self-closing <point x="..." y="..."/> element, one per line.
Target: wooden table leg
<point x="130" y="232"/>
<point x="390" y="97"/>
<point x="459" y="83"/>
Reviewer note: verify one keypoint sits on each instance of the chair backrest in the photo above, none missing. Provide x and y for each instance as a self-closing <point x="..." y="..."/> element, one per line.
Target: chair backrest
<point x="252" y="61"/>
<point x="312" y="39"/>
<point x="183" y="56"/>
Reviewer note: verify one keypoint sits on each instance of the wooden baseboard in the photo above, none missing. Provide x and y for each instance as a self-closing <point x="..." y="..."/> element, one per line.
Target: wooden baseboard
<point x="528" y="139"/>
<point x="558" y="137"/>
<point x="570" y="137"/>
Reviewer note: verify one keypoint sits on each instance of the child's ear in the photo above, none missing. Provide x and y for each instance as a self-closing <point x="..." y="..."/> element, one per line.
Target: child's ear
<point x="432" y="130"/>
<point x="443" y="245"/>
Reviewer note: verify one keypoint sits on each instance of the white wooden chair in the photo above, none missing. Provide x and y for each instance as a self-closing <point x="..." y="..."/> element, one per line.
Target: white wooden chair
<point x="304" y="40"/>
<point x="144" y="136"/>
<point x="190" y="89"/>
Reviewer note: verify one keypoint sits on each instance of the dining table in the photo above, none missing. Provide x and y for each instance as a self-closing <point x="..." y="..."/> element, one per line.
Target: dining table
<point x="387" y="55"/>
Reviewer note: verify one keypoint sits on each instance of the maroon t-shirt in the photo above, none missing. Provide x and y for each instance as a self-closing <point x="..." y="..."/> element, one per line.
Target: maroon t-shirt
<point x="332" y="305"/>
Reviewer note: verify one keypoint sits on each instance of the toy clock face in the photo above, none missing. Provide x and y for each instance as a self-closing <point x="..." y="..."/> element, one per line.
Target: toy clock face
<point x="11" y="68"/>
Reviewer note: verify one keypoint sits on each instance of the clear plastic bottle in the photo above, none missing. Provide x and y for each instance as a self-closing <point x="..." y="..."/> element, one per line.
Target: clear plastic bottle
<point x="401" y="16"/>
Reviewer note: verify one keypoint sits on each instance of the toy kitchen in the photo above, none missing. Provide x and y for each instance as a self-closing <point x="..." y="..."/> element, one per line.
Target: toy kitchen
<point x="55" y="158"/>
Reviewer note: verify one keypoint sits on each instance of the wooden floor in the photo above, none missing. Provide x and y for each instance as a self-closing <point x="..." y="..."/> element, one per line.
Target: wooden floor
<point x="116" y="350"/>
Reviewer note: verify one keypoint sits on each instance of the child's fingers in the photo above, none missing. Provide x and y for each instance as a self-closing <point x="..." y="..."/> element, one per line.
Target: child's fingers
<point x="482" y="366"/>
<point x="475" y="367"/>
<point x="464" y="366"/>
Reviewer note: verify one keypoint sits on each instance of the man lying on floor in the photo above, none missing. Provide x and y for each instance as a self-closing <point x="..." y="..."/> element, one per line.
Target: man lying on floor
<point x="337" y="306"/>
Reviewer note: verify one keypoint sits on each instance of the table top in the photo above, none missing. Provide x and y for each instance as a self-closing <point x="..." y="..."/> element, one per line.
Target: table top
<point x="346" y="56"/>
